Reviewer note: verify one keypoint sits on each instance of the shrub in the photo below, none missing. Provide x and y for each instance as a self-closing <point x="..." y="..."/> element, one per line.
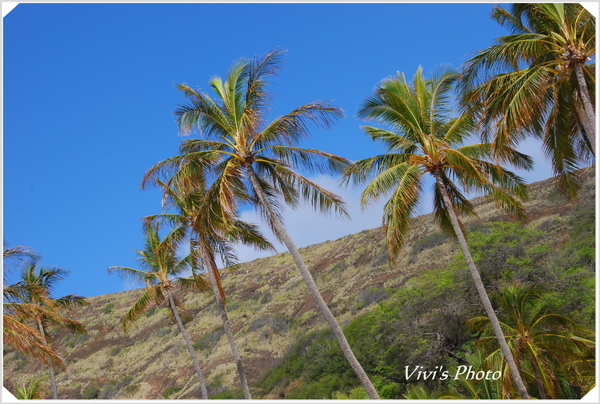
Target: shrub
<point x="108" y="308"/>
<point x="259" y="323"/>
<point x="112" y="387"/>
<point x="114" y="351"/>
<point x="170" y="391"/>
<point x="90" y="392"/>
<point x="235" y="394"/>
<point x="373" y="295"/>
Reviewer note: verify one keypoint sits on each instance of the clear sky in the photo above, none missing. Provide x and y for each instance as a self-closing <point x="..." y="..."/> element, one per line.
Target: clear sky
<point x="89" y="94"/>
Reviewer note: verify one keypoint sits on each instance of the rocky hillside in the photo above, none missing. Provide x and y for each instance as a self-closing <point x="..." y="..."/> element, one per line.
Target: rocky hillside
<point x="269" y="309"/>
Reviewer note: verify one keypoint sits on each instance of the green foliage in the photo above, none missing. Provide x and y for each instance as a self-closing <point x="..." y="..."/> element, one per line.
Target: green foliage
<point x="31" y="391"/>
<point x="72" y="340"/>
<point x="132" y="389"/>
<point x="170" y="391"/>
<point x="115" y="350"/>
<point x="424" y="323"/>
<point x="90" y="392"/>
<point x="373" y="295"/>
<point x="235" y="394"/>
<point x="108" y="308"/>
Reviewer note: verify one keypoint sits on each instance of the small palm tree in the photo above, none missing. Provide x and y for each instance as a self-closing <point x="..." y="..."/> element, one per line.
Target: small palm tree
<point x="35" y="288"/>
<point x="425" y="140"/>
<point x="254" y="161"/>
<point x="24" y="338"/>
<point x="546" y="344"/>
<point x="160" y="263"/>
<point x="21" y="336"/>
<point x="537" y="80"/>
<point x="207" y="234"/>
<point x="31" y="391"/>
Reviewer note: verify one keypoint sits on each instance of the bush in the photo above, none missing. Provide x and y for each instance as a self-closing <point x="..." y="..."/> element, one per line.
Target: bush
<point x="114" y="351"/>
<point x="259" y="323"/>
<point x="170" y="391"/>
<point x="373" y="295"/>
<point x="90" y="392"/>
<point x="112" y="387"/>
<point x="108" y="308"/>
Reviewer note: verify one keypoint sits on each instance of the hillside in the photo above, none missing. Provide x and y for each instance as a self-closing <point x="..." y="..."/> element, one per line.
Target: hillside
<point x="268" y="306"/>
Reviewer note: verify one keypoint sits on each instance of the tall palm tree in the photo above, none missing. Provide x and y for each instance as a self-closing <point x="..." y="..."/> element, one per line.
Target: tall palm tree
<point x="537" y="80"/>
<point x="254" y="161"/>
<point x="546" y="344"/>
<point x="207" y="234"/>
<point x="425" y="140"/>
<point x="160" y="263"/>
<point x="35" y="288"/>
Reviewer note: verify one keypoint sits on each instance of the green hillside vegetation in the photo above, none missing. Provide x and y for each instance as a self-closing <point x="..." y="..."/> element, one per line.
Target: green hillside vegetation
<point x="411" y="313"/>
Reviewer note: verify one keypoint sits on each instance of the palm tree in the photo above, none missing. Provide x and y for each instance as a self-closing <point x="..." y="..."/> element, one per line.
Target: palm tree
<point x="160" y="263"/>
<point x="206" y="237"/>
<point x="24" y="338"/>
<point x="546" y="344"/>
<point x="21" y="336"/>
<point x="537" y="80"/>
<point x="424" y="139"/>
<point x="254" y="161"/>
<point x="35" y="288"/>
<point x="31" y="391"/>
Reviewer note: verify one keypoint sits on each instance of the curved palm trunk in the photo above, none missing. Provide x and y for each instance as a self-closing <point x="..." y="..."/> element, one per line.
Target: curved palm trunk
<point x="212" y="268"/>
<point x="52" y="377"/>
<point x="512" y="366"/>
<point x="190" y="348"/>
<point x="588" y="119"/>
<point x="312" y="286"/>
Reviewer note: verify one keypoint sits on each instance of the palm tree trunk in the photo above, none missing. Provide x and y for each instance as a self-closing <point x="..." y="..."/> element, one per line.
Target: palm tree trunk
<point x="212" y="267"/>
<point x="312" y="286"/>
<point x="588" y="120"/>
<point x="190" y="348"/>
<point x="52" y="377"/>
<point x="538" y="380"/>
<point x="487" y="304"/>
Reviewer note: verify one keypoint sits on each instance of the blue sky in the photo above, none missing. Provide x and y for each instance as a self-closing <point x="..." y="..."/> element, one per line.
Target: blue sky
<point x="89" y="92"/>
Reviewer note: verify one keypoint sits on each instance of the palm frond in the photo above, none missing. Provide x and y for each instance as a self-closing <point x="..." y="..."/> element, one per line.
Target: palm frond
<point x="138" y="308"/>
<point x="289" y="129"/>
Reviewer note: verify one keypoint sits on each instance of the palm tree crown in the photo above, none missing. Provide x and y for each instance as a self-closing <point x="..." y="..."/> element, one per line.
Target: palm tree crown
<point x="423" y="138"/>
<point x="538" y="80"/>
<point x="159" y="270"/>
<point x="236" y="136"/>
